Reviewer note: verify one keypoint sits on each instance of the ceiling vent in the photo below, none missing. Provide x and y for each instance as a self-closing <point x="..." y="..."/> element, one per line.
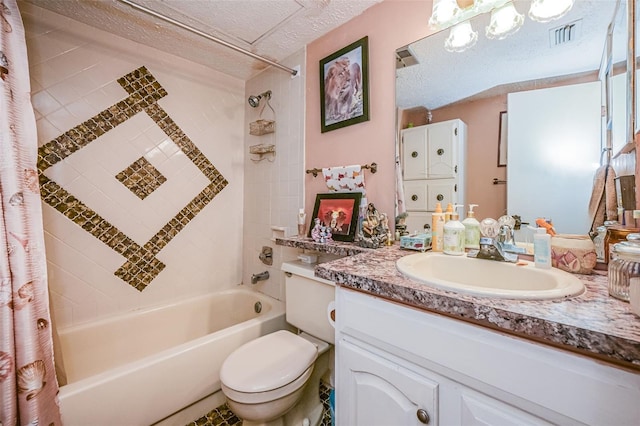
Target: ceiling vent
<point x="405" y="57"/>
<point x="565" y="34"/>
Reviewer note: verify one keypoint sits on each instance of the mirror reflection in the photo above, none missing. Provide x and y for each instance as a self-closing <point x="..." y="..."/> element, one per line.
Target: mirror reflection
<point x="544" y="86"/>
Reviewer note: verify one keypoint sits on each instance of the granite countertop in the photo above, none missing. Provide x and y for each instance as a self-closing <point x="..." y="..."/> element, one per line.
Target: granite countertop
<point x="593" y="324"/>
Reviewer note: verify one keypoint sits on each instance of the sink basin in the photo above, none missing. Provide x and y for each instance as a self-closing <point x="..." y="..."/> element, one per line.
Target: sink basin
<point x="489" y="278"/>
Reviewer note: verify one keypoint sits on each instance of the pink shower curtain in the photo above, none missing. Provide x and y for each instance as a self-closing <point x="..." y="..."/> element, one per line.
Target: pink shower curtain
<point x="28" y="386"/>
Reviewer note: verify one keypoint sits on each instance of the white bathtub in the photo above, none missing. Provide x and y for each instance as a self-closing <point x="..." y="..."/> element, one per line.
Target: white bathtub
<point x="141" y="367"/>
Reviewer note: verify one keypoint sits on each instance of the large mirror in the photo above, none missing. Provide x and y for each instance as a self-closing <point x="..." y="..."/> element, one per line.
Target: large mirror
<point x="562" y="58"/>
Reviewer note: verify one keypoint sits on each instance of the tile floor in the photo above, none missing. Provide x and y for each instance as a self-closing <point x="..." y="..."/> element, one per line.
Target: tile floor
<point x="222" y="416"/>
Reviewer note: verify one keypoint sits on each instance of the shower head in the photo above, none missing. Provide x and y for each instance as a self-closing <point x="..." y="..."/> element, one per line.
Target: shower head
<point x="254" y="100"/>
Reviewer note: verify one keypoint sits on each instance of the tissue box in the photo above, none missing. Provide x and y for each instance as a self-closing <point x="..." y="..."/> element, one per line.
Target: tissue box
<point x="420" y="242"/>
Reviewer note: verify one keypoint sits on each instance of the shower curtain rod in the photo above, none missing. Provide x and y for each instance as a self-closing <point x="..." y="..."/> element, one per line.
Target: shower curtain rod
<point x="209" y="36"/>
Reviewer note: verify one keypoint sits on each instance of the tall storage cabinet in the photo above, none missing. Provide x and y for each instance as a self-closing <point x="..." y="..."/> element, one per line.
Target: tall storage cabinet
<point x="433" y="158"/>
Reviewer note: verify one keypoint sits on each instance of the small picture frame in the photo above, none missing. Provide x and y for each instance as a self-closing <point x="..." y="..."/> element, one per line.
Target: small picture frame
<point x="338" y="211"/>
<point x="344" y="86"/>
<point x="502" y="140"/>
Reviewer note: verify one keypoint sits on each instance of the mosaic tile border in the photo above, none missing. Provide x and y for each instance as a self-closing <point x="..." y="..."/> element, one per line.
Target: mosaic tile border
<point x="141" y="178"/>
<point x="141" y="266"/>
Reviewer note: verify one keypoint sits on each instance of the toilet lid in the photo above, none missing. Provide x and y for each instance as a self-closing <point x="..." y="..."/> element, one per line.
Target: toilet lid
<point x="267" y="363"/>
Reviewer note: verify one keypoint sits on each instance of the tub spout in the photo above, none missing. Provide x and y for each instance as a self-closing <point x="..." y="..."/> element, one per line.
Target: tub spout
<point x="262" y="276"/>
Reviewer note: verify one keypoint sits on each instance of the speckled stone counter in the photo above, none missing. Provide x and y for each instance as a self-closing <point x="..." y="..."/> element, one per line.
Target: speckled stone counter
<point x="592" y="324"/>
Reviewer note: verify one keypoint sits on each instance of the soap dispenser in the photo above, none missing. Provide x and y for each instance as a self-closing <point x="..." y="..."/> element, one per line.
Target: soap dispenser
<point x="471" y="229"/>
<point x="454" y="234"/>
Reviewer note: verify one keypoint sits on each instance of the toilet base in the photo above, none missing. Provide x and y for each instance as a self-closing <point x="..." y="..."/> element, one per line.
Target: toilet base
<point x="309" y="407"/>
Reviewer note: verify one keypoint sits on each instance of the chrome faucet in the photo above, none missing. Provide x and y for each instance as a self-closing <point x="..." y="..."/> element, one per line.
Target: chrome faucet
<point x="491" y="249"/>
<point x="262" y="276"/>
<point x="506" y="235"/>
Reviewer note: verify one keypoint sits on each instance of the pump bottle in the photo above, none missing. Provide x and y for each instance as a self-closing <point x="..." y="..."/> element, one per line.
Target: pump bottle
<point x="454" y="234"/>
<point x="471" y="229"/>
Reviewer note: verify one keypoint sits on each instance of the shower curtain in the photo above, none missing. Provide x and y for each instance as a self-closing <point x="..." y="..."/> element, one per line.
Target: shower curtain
<point x="28" y="386"/>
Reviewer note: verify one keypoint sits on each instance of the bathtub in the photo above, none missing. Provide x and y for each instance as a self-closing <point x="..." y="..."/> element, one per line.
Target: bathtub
<point x="139" y="368"/>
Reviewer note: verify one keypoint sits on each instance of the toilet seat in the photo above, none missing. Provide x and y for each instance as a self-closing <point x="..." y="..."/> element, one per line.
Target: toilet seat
<point x="267" y="396"/>
<point x="277" y="361"/>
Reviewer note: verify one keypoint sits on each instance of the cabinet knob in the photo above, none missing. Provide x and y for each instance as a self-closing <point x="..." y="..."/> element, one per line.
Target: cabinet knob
<point x="414" y="154"/>
<point x="440" y="197"/>
<point x="440" y="151"/>
<point x="423" y="416"/>
<point x="414" y="198"/>
<point x="288" y="274"/>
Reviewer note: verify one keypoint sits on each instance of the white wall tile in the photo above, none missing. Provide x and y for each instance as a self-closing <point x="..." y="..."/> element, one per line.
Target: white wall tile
<point x="74" y="70"/>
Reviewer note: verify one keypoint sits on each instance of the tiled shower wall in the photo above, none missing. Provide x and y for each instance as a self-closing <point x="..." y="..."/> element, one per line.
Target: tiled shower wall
<point x="145" y="176"/>
<point x="274" y="185"/>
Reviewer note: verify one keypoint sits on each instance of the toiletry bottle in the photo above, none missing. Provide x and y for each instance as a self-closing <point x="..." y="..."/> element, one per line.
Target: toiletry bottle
<point x="302" y="217"/>
<point x="448" y="213"/>
<point x="471" y="229"/>
<point x="437" y="228"/>
<point x="542" y="248"/>
<point x="454" y="234"/>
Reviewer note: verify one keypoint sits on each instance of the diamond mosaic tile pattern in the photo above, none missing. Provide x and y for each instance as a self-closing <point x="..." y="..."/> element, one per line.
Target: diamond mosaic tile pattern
<point x="141" y="178"/>
<point x="141" y="265"/>
<point x="223" y="416"/>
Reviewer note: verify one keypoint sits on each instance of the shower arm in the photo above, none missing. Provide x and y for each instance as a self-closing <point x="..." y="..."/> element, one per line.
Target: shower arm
<point x="209" y="36"/>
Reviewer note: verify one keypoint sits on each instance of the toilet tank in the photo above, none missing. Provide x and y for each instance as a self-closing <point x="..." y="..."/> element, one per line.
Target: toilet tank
<point x="308" y="299"/>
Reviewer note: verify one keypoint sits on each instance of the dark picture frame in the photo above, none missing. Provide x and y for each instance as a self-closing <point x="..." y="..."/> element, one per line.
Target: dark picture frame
<point x="502" y="140"/>
<point x="344" y="86"/>
<point x="339" y="211"/>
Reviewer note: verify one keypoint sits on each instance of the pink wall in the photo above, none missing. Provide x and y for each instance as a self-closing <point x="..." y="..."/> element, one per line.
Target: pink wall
<point x="389" y="25"/>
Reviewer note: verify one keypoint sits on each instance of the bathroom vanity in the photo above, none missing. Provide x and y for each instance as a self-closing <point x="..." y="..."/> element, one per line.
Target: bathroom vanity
<point x="407" y="353"/>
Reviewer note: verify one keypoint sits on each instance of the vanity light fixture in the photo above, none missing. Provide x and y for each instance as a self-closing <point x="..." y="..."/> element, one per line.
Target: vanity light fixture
<point x="505" y="21"/>
<point x="443" y="12"/>
<point x="548" y="10"/>
<point x="461" y="37"/>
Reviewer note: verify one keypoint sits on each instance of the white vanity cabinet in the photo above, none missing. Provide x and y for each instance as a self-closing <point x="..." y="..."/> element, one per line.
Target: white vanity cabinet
<point x="432" y="166"/>
<point x="401" y="366"/>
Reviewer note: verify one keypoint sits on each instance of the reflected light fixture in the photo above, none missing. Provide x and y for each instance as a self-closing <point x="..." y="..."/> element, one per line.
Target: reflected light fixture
<point x="444" y="11"/>
<point x="548" y="10"/>
<point x="505" y="21"/>
<point x="461" y="37"/>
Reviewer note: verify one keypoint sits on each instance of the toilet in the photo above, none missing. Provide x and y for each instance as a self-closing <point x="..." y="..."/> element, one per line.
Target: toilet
<point x="274" y="380"/>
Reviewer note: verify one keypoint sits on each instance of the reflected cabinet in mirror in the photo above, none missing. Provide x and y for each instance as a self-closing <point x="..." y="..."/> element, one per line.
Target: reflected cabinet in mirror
<point x="533" y="106"/>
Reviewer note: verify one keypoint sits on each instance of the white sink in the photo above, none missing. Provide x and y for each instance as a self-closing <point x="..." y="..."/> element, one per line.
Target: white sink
<point x="489" y="278"/>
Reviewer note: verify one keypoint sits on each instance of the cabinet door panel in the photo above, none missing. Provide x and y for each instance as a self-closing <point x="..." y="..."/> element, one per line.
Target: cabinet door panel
<point x="415" y="195"/>
<point x="443" y="192"/>
<point x="374" y="391"/>
<point x="440" y="150"/>
<point x="414" y="153"/>
<point x="480" y="410"/>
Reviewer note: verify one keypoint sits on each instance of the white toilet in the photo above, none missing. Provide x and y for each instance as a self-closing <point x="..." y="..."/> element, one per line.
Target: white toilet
<point x="274" y="379"/>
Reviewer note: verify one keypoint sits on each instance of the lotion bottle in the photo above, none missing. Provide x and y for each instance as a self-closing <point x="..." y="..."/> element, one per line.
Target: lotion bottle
<point x="471" y="229"/>
<point x="437" y="228"/>
<point x="542" y="249"/>
<point x="454" y="235"/>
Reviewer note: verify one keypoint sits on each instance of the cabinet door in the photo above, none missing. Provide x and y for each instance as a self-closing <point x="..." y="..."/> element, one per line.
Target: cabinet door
<point x="415" y="195"/>
<point x="441" y="191"/>
<point x="373" y="391"/>
<point x="440" y="150"/>
<point x="481" y="410"/>
<point x="414" y="153"/>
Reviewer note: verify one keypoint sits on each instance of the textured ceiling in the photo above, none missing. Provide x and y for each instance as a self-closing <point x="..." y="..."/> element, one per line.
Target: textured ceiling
<point x="442" y="78"/>
<point x="274" y="29"/>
